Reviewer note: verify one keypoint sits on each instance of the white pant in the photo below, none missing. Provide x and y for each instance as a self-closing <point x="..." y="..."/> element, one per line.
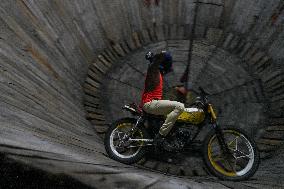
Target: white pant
<point x="165" y="107"/>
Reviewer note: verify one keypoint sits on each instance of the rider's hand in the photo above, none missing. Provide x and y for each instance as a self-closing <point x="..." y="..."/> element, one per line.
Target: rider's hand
<point x="182" y="90"/>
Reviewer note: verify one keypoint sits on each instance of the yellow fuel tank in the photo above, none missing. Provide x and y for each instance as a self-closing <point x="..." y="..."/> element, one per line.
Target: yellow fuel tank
<point x="192" y="115"/>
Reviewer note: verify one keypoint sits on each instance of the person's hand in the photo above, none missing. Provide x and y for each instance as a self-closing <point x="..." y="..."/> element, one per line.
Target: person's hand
<point x="182" y="90"/>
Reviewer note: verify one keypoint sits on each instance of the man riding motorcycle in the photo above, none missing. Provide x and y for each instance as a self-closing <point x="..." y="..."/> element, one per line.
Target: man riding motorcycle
<point x="152" y="103"/>
<point x="228" y="153"/>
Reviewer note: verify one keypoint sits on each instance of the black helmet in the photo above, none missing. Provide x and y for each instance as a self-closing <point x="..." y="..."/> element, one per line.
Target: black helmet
<point x="149" y="56"/>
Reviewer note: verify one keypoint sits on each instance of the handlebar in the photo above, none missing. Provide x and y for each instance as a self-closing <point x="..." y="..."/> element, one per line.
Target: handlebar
<point x="203" y="93"/>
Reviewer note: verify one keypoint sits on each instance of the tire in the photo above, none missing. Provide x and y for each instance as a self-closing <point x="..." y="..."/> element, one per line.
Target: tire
<point x="112" y="151"/>
<point x="246" y="147"/>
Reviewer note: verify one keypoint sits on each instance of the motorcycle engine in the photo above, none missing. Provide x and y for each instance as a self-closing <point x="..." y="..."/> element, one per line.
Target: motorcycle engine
<point x="178" y="139"/>
<point x="183" y="135"/>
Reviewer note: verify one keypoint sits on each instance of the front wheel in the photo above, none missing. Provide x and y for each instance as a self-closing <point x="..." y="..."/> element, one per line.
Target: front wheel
<point x="240" y="163"/>
<point x="125" y="151"/>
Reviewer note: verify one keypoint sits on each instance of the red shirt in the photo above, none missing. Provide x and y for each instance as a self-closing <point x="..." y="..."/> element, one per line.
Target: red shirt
<point x="157" y="93"/>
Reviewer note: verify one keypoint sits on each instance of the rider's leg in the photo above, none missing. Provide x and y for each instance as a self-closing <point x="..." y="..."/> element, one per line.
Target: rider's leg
<point x="165" y="107"/>
<point x="171" y="119"/>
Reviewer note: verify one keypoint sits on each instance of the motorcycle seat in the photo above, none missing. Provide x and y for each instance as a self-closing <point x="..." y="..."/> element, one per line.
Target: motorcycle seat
<point x="135" y="109"/>
<point x="153" y="115"/>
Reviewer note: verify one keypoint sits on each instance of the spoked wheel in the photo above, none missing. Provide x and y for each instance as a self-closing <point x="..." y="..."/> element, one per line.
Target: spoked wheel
<point x="240" y="163"/>
<point x="126" y="151"/>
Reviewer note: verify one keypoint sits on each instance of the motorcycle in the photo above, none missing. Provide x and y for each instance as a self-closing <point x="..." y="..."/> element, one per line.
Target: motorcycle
<point x="228" y="153"/>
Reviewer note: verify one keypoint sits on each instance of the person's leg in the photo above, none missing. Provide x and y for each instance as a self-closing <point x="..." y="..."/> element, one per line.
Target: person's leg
<point x="165" y="107"/>
<point x="171" y="118"/>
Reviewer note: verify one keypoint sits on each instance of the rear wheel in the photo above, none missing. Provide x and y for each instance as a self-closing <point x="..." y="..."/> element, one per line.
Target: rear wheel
<point x="125" y="151"/>
<point x="240" y="164"/>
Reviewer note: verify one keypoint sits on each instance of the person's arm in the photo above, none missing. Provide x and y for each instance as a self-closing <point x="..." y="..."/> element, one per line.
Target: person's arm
<point x="153" y="73"/>
<point x="157" y="60"/>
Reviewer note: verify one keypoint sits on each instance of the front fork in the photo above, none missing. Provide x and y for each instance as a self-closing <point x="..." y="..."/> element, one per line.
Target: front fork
<point x="219" y="134"/>
<point x="224" y="147"/>
<point x="221" y="139"/>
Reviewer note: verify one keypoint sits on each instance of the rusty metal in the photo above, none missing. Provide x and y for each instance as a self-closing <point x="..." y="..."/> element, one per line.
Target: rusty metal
<point x="41" y="60"/>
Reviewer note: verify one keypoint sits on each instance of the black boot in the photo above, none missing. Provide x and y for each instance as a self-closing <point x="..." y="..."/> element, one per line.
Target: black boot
<point x="158" y="141"/>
